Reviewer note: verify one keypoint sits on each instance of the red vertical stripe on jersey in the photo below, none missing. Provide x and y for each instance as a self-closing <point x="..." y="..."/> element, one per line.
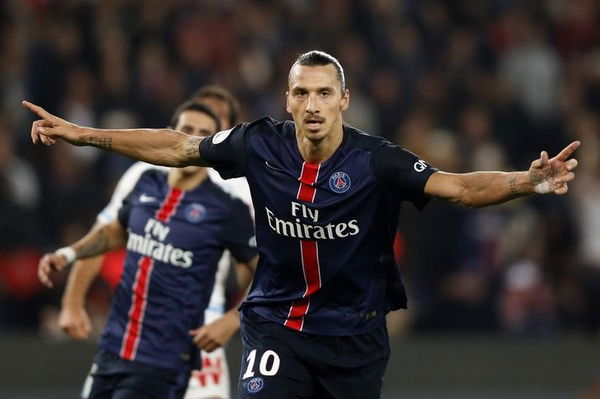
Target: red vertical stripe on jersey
<point x="295" y="318"/>
<point x="169" y="206"/>
<point x="309" y="252"/>
<point x="310" y="264"/>
<point x="139" y="298"/>
<point x="308" y="176"/>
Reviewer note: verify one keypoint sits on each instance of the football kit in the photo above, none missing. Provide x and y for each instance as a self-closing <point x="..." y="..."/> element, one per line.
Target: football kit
<point x="325" y="235"/>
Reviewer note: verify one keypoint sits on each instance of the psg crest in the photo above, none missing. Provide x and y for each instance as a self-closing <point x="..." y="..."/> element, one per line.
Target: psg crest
<point x="255" y="385"/>
<point x="195" y="213"/>
<point x="339" y="182"/>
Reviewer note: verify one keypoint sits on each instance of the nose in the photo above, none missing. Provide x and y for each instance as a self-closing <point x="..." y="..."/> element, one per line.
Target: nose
<point x="311" y="104"/>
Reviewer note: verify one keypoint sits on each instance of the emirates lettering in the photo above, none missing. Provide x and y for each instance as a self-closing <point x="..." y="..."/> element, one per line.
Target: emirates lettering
<point x="297" y="229"/>
<point x="146" y="245"/>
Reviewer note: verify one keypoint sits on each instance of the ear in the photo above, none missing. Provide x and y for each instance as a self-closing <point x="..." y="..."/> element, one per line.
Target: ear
<point x="287" y="102"/>
<point x="345" y="103"/>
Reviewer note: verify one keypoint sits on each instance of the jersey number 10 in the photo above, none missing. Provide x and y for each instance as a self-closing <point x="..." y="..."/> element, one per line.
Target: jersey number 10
<point x="263" y="366"/>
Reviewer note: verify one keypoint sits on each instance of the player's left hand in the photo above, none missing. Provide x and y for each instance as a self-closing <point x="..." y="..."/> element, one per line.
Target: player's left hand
<point x="552" y="175"/>
<point x="216" y="334"/>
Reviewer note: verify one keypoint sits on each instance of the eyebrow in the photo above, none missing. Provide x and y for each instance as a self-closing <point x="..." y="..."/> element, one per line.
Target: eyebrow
<point x="302" y="88"/>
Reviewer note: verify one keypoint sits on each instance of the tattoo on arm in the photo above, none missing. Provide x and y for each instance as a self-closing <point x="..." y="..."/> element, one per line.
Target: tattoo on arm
<point x="512" y="182"/>
<point x="100" y="142"/>
<point x="192" y="149"/>
<point x="95" y="247"/>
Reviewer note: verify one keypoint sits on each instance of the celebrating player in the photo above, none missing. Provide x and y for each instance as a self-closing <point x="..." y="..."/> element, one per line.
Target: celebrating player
<point x="176" y="225"/>
<point x="327" y="199"/>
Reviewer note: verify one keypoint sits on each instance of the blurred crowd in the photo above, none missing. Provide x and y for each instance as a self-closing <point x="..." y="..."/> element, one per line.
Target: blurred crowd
<point x="467" y="85"/>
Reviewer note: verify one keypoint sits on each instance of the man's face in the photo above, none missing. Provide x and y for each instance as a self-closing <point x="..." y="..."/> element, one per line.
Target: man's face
<point x="221" y="108"/>
<point x="195" y="123"/>
<point x="315" y="100"/>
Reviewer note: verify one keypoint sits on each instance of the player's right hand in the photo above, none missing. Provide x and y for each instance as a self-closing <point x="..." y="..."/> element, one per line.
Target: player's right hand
<point x="50" y="127"/>
<point x="75" y="322"/>
<point x="49" y="264"/>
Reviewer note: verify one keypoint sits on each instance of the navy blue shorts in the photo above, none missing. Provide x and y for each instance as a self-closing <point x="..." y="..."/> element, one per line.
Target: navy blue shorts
<point x="278" y="362"/>
<point x="115" y="378"/>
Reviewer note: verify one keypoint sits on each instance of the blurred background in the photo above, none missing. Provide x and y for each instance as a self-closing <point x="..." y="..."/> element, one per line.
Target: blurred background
<point x="504" y="302"/>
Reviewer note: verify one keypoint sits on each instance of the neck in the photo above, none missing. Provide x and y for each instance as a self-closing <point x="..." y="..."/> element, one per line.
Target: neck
<point x="319" y="151"/>
<point x="181" y="179"/>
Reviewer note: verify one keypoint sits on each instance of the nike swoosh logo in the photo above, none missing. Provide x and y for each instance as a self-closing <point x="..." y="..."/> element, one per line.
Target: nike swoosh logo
<point x="273" y="167"/>
<point x="145" y="198"/>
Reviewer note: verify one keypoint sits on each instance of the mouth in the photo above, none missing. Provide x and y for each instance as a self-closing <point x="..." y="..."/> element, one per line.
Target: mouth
<point x="314" y="123"/>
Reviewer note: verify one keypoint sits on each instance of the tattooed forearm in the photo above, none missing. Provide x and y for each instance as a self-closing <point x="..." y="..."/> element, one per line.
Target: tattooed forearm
<point x="101" y="142"/>
<point x="97" y="244"/>
<point x="192" y="148"/>
<point x="512" y="183"/>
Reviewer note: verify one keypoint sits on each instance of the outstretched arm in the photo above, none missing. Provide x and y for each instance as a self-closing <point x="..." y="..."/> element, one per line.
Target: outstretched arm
<point x="479" y="189"/>
<point x="99" y="240"/>
<point x="158" y="146"/>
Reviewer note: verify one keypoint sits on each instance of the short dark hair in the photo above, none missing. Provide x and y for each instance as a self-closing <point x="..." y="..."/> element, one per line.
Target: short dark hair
<point x="220" y="93"/>
<point x="191" y="105"/>
<point x="317" y="57"/>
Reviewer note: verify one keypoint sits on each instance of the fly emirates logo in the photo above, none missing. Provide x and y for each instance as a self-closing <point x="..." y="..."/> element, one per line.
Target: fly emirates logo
<point x="297" y="229"/>
<point x="151" y="244"/>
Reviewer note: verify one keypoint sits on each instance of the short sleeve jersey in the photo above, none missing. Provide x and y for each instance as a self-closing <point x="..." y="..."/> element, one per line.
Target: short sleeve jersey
<point x="175" y="240"/>
<point x="237" y="188"/>
<point x="324" y="231"/>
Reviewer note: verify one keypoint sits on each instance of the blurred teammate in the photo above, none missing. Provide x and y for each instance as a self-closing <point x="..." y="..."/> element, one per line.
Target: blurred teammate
<point x="212" y="381"/>
<point x="327" y="199"/>
<point x="176" y="225"/>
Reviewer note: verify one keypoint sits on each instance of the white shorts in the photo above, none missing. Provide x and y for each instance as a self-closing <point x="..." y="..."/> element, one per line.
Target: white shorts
<point x="213" y="380"/>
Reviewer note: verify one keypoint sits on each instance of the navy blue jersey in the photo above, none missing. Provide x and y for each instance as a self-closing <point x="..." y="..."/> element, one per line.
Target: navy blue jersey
<point x="324" y="231"/>
<point x="175" y="240"/>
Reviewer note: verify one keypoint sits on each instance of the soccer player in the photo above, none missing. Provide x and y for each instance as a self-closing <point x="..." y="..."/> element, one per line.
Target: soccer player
<point x="176" y="225"/>
<point x="327" y="199"/>
<point x="212" y="381"/>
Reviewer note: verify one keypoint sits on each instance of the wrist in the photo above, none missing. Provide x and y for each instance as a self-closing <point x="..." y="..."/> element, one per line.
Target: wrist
<point x="520" y="183"/>
<point x="68" y="253"/>
<point x="233" y="314"/>
<point x="71" y="303"/>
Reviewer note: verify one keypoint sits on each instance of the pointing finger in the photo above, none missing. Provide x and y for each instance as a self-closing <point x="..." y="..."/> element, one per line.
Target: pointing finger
<point x="568" y="150"/>
<point x="36" y="109"/>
